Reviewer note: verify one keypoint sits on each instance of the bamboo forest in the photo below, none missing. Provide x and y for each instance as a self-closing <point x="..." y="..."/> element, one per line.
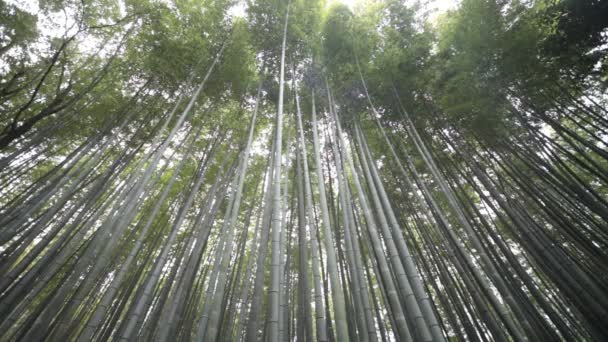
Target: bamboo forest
<point x="304" y="170"/>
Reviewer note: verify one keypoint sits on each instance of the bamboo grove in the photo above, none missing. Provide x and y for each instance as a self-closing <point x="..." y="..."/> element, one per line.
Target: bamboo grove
<point x="295" y="170"/>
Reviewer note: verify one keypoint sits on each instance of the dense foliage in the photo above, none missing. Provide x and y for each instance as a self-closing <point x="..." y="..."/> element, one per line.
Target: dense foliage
<point x="302" y="170"/>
